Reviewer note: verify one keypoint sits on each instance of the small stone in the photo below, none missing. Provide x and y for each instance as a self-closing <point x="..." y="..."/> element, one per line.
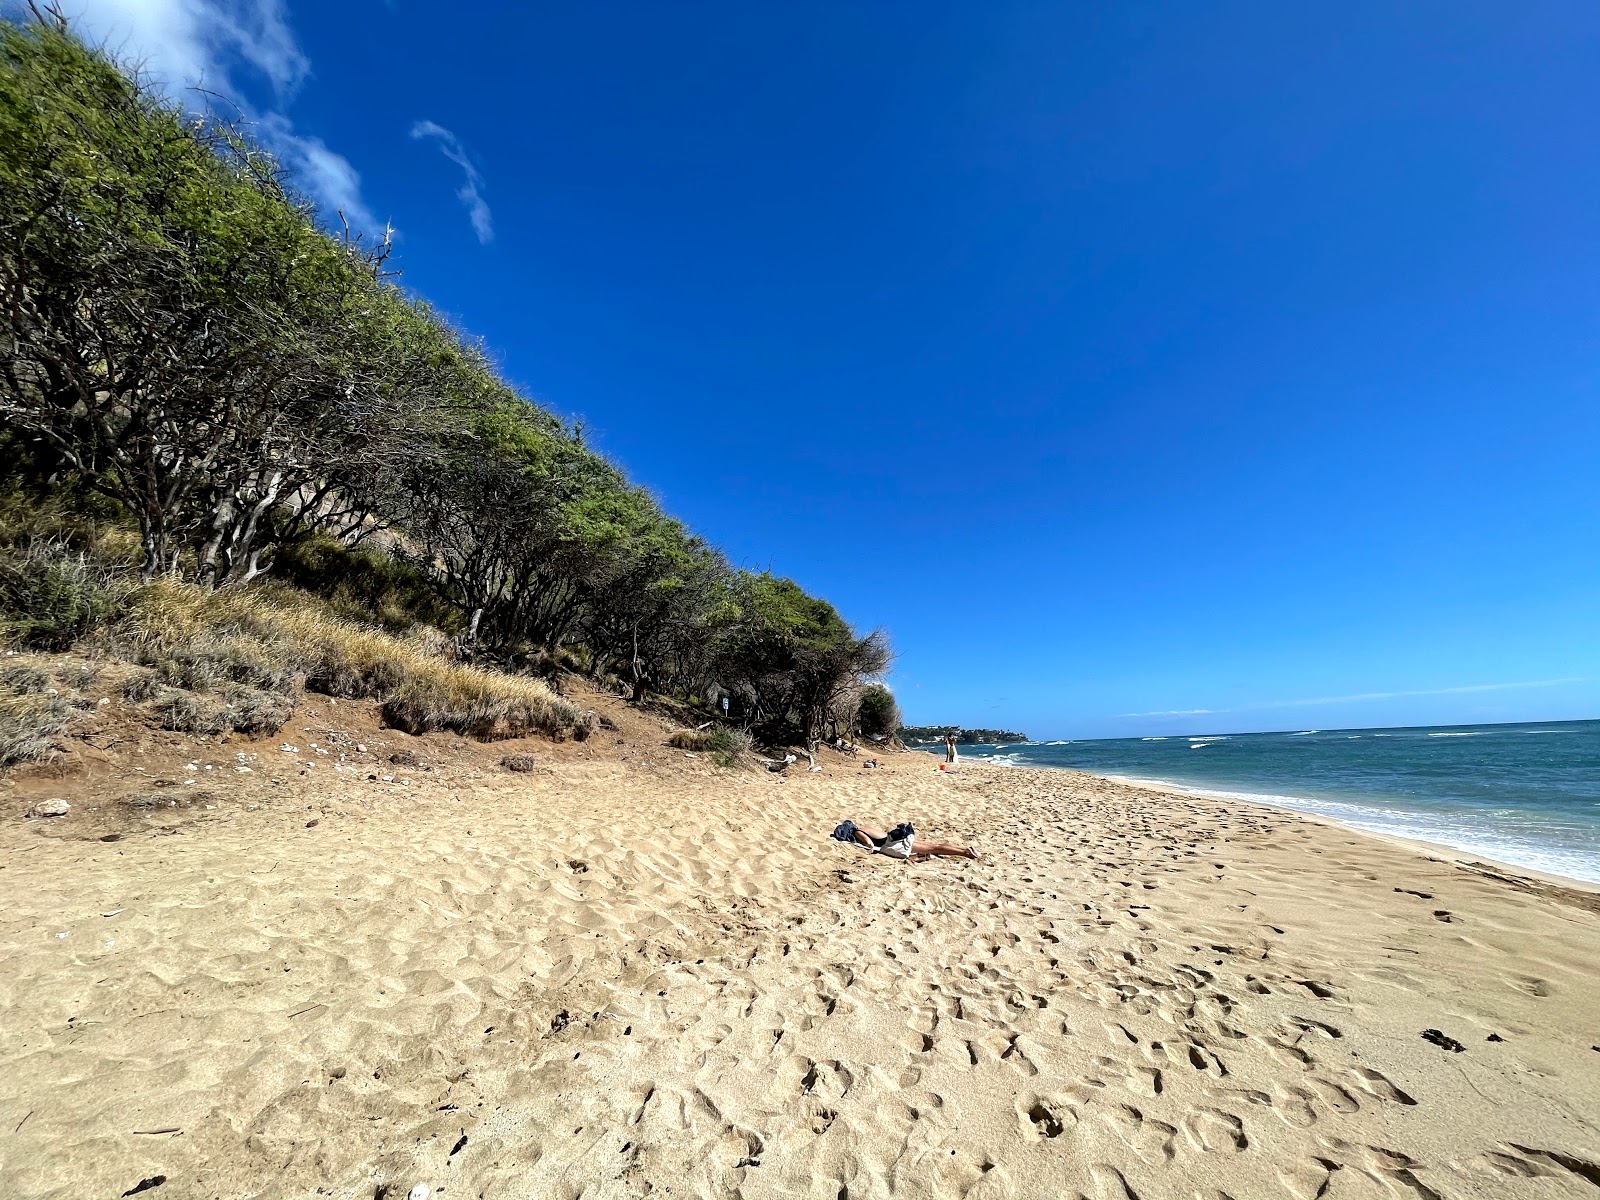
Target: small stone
<point x="337" y="1073"/>
<point x="50" y="808"/>
<point x="421" y="1192"/>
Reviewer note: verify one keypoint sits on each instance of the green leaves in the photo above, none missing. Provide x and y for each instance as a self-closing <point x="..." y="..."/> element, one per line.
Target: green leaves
<point x="180" y="336"/>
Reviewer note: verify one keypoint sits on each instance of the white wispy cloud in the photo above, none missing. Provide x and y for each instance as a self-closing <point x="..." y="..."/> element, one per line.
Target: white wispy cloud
<point x="226" y="47"/>
<point x="470" y="192"/>
<point x="1359" y="696"/>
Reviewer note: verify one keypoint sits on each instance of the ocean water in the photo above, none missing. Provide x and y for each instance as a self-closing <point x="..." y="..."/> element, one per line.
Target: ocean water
<point x="1526" y="794"/>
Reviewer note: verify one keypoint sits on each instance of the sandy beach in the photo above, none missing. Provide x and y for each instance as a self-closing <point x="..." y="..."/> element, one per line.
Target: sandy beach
<point x="630" y="973"/>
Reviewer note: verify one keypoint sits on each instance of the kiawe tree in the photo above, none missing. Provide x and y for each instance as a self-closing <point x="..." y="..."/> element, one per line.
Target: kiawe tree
<point x="176" y="334"/>
<point x="175" y="328"/>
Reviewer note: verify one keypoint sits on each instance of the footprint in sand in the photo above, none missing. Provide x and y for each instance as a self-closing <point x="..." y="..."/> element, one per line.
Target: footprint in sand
<point x="1376" y="1084"/>
<point x="1211" y="1129"/>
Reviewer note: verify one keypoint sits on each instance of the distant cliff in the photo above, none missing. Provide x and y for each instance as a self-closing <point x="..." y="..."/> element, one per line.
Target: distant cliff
<point x="912" y="734"/>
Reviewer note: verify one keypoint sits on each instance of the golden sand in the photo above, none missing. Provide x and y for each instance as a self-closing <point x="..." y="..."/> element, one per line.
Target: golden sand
<point x="633" y="974"/>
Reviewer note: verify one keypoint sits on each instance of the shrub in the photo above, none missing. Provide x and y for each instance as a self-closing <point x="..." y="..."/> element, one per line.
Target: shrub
<point x="27" y="726"/>
<point x="49" y="598"/>
<point x="690" y="739"/>
<point x="240" y="710"/>
<point x="728" y="745"/>
<point x="519" y="762"/>
<point x="878" y="714"/>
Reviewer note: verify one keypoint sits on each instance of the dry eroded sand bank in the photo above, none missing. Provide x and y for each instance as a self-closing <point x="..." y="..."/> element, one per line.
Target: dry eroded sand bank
<point x="629" y="978"/>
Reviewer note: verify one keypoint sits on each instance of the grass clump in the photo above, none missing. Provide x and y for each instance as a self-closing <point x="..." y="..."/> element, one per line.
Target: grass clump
<point x="78" y="675"/>
<point x="690" y="739"/>
<point x="24" y="681"/>
<point x="145" y="685"/>
<point x="522" y="763"/>
<point x="185" y="712"/>
<point x="28" y="726"/>
<point x="726" y="745"/>
<point x="256" y="712"/>
<point x="270" y="638"/>
<point x="479" y="704"/>
<point x="239" y="710"/>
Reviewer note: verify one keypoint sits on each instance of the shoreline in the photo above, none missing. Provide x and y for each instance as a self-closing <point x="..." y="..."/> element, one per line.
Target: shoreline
<point x="1434" y="851"/>
<point x="1465" y="855"/>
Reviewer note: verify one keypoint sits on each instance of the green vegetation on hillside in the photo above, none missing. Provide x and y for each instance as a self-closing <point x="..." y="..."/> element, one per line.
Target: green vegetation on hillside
<point x="200" y="389"/>
<point x="967" y="737"/>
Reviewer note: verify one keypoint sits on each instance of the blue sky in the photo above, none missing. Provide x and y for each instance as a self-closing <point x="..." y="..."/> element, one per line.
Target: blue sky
<point x="1140" y="367"/>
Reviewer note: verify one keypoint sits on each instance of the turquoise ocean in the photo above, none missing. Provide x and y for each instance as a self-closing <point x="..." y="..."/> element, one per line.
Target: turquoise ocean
<point x="1526" y="794"/>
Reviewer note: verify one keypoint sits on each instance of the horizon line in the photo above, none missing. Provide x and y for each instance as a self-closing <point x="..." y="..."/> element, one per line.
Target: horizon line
<point x="1268" y="705"/>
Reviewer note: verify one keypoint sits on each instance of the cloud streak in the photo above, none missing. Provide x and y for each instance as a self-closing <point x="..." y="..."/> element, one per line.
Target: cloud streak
<point x="1358" y="697"/>
<point x="218" y="45"/>
<point x="471" y="191"/>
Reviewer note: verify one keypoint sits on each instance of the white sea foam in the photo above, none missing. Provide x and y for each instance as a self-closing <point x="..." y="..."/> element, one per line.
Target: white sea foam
<point x="1464" y="832"/>
<point x="1160" y="739"/>
<point x="1477" y="733"/>
<point x="1305" y="733"/>
<point x="1066" y="743"/>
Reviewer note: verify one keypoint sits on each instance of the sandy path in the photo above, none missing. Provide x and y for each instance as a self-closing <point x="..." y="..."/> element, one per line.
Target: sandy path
<point x="609" y="980"/>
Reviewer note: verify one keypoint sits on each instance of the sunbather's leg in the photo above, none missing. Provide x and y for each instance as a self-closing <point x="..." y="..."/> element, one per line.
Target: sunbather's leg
<point x="942" y="850"/>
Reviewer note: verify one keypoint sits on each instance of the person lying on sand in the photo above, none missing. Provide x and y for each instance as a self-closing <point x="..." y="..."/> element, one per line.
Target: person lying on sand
<point x="900" y="842"/>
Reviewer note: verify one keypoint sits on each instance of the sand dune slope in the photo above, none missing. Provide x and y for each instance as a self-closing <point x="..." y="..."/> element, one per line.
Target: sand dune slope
<point x="611" y="981"/>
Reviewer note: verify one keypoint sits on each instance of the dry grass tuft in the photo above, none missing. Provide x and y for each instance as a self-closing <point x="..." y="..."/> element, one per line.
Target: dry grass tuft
<point x="239" y="710"/>
<point x="24" y="681"/>
<point x="256" y="712"/>
<point x="145" y="685"/>
<point x="185" y="712"/>
<point x="726" y="745"/>
<point x="690" y="739"/>
<point x="519" y="762"/>
<point x="28" y="726"/>
<point x="270" y="639"/>
<point x="78" y="675"/>
<point x="477" y="703"/>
